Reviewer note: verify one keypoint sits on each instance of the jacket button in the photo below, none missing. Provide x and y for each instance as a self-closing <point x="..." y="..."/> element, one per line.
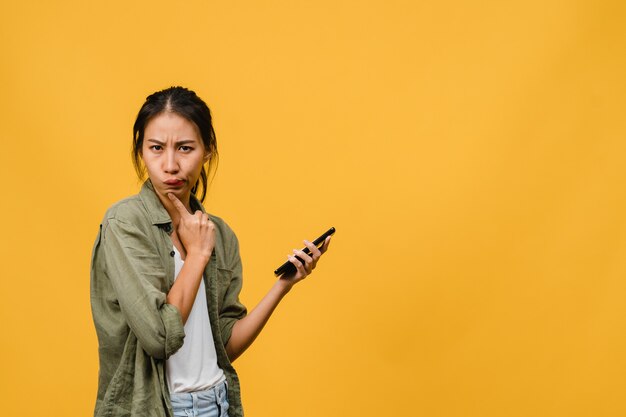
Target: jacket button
<point x="172" y="253"/>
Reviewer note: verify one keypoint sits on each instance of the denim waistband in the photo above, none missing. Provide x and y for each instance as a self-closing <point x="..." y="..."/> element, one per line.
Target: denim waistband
<point x="212" y="402"/>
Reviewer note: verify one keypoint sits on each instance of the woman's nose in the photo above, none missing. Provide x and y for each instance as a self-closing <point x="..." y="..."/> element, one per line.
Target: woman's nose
<point x="171" y="164"/>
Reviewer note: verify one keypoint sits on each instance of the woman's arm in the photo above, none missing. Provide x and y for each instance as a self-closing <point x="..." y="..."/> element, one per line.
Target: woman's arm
<point x="135" y="287"/>
<point x="246" y="330"/>
<point x="183" y="293"/>
<point x="197" y="234"/>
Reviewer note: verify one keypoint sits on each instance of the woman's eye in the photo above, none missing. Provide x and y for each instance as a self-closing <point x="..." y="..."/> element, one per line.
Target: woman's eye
<point x="185" y="148"/>
<point x="156" y="147"/>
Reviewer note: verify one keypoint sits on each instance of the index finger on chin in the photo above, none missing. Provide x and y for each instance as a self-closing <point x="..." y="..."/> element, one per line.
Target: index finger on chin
<point x="177" y="204"/>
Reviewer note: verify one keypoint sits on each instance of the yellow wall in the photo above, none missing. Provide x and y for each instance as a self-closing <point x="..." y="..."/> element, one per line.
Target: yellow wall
<point x="470" y="154"/>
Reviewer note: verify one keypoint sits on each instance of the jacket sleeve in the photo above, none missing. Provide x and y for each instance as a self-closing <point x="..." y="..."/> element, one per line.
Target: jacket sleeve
<point x="232" y="309"/>
<point x="135" y="270"/>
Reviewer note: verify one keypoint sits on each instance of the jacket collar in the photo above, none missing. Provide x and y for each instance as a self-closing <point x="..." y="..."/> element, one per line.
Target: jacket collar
<point x="157" y="213"/>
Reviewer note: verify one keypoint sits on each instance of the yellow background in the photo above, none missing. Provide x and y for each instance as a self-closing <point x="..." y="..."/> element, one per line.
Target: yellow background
<point x="470" y="154"/>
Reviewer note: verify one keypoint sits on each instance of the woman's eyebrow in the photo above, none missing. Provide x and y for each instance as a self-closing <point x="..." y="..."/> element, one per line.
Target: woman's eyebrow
<point x="185" y="142"/>
<point x="158" y="142"/>
<point x="178" y="143"/>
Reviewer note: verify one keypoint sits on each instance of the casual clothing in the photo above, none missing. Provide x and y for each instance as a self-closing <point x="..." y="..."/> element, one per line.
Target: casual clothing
<point x="132" y="270"/>
<point x="194" y="366"/>
<point x="209" y="403"/>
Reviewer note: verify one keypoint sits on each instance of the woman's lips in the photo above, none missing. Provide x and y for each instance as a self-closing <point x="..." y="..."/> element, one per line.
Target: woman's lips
<point x="174" y="183"/>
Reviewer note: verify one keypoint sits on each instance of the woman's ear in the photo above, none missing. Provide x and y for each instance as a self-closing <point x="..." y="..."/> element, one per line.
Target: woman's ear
<point x="207" y="156"/>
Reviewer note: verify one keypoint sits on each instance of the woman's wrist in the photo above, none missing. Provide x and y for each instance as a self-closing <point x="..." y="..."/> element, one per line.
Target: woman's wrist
<point x="199" y="257"/>
<point x="283" y="286"/>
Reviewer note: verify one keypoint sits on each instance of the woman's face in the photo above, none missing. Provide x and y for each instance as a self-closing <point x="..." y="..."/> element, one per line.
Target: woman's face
<point x="173" y="154"/>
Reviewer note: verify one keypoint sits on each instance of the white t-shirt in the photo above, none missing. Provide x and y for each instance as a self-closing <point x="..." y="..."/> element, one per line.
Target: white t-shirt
<point x="194" y="366"/>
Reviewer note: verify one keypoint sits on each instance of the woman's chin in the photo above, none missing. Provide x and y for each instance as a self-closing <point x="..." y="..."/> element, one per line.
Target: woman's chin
<point x="181" y="193"/>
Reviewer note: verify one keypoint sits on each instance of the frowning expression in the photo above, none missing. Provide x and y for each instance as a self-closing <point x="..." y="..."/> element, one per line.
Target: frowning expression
<point x="173" y="153"/>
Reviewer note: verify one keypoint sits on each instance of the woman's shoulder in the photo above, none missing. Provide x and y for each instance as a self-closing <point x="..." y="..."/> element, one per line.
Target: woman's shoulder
<point x="227" y="247"/>
<point x="223" y="228"/>
<point x="128" y="210"/>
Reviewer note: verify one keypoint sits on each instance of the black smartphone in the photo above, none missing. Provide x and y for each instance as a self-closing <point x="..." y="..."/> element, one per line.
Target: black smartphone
<point x="289" y="268"/>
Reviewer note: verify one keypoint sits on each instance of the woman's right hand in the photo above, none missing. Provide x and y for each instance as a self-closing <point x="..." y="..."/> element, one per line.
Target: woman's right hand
<point x="195" y="231"/>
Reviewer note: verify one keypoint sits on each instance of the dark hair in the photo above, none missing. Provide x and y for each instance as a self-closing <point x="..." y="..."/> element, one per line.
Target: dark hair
<point x="187" y="104"/>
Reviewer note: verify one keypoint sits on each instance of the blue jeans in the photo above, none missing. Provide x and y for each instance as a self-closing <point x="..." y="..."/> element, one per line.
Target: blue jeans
<point x="210" y="403"/>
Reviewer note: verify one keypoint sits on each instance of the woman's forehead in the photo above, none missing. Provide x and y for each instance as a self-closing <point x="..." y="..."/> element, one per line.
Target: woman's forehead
<point x="170" y="125"/>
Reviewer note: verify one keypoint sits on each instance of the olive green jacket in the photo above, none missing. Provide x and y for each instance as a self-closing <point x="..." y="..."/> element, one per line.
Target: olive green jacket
<point x="132" y="270"/>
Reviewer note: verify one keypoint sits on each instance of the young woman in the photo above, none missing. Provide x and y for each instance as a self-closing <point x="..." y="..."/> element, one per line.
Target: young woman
<point x="166" y="277"/>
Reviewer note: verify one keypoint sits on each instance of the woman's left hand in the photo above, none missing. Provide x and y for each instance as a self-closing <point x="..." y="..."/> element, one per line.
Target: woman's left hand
<point x="303" y="269"/>
<point x="246" y="329"/>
